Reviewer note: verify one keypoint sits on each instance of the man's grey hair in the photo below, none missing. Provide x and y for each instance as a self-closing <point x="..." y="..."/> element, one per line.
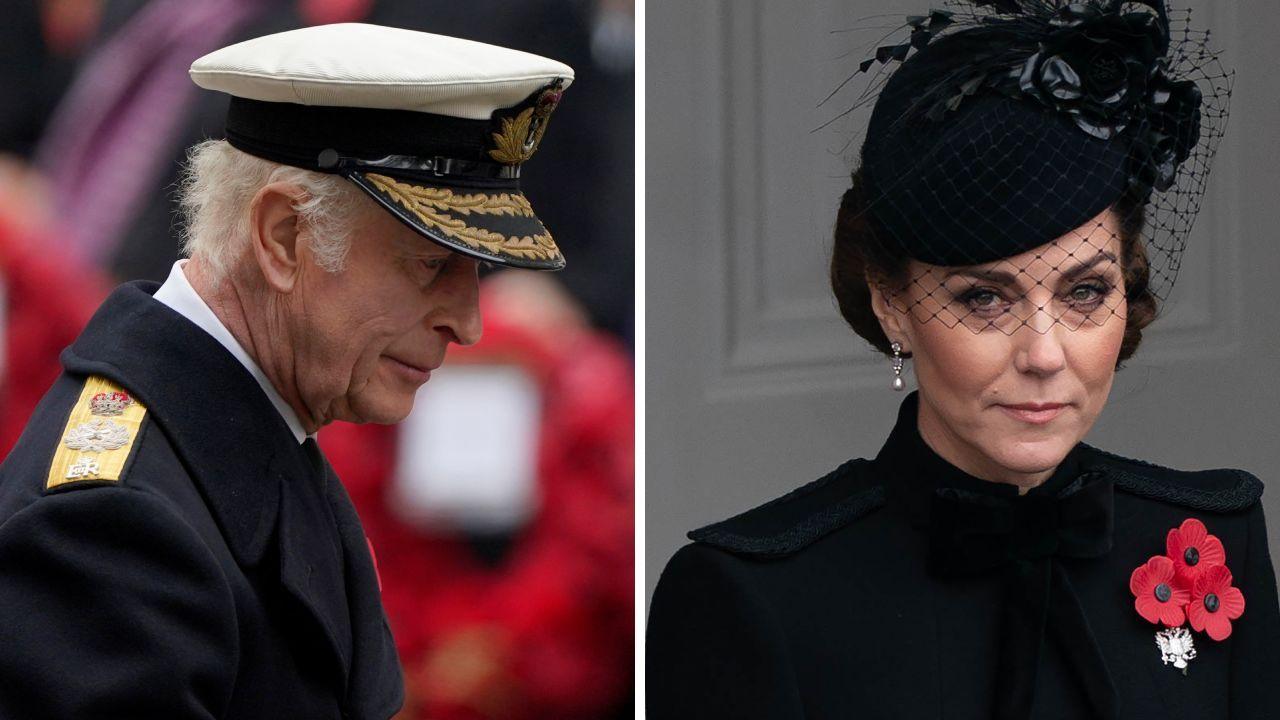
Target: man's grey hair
<point x="219" y="182"/>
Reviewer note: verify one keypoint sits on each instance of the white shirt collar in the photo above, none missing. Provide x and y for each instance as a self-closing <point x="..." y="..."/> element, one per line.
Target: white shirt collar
<point x="177" y="293"/>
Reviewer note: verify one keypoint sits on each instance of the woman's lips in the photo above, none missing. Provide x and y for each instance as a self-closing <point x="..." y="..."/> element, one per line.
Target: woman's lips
<point x="1033" y="413"/>
<point x="412" y="373"/>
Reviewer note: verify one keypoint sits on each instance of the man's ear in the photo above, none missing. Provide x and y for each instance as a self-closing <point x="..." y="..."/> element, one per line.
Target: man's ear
<point x="273" y="233"/>
<point x="893" y="321"/>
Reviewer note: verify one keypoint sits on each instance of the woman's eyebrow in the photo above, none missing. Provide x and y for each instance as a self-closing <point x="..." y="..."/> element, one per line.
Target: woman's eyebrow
<point x="1004" y="277"/>
<point x="1084" y="267"/>
<point x="994" y="275"/>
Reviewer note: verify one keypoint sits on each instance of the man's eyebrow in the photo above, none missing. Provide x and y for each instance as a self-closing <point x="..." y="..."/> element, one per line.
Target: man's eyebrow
<point x="418" y="250"/>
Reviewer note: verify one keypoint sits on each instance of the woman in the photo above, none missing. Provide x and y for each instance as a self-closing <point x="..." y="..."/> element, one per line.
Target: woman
<point x="1025" y="188"/>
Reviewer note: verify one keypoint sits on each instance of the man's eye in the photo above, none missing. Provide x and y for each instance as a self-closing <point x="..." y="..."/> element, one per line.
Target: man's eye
<point x="433" y="263"/>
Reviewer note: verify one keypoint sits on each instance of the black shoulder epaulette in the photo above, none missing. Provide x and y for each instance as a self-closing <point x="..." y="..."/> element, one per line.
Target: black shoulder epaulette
<point x="788" y="523"/>
<point x="1223" y="490"/>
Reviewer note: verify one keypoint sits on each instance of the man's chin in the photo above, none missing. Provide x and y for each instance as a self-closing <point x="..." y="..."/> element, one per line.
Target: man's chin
<point x="382" y="408"/>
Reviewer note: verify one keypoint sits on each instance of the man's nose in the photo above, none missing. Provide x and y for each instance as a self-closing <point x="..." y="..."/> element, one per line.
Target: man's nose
<point x="459" y="310"/>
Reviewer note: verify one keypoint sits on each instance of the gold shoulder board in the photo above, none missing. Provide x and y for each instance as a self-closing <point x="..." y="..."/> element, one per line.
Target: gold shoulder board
<point x="100" y="433"/>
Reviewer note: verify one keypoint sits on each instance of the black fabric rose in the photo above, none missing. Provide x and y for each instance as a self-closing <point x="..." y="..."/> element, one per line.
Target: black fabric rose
<point x="1173" y="131"/>
<point x="1095" y="66"/>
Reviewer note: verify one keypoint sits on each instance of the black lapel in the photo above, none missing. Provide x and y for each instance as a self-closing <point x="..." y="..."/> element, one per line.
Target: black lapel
<point x="914" y="632"/>
<point x="311" y="562"/>
<point x="376" y="688"/>
<point x="240" y="452"/>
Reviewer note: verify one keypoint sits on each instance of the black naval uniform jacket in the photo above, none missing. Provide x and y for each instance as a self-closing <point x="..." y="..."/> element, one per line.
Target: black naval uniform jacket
<point x="224" y="574"/>
<point x="902" y="588"/>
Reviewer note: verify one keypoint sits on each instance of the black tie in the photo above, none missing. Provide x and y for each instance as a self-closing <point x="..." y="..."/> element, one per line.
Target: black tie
<point x="973" y="533"/>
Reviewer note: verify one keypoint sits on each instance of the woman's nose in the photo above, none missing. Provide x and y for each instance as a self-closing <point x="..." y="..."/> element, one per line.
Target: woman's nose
<point x="1040" y="345"/>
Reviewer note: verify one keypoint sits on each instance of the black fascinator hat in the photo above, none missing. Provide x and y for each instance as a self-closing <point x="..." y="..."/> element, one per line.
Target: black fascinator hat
<point x="1006" y="125"/>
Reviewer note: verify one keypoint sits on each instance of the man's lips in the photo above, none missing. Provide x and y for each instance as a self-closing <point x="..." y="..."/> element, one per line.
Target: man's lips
<point x="416" y="366"/>
<point x="412" y="371"/>
<point x="1034" y="413"/>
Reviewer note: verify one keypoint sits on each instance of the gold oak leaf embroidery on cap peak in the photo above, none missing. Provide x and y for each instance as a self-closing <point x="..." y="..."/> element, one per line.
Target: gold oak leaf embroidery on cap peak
<point x="431" y="205"/>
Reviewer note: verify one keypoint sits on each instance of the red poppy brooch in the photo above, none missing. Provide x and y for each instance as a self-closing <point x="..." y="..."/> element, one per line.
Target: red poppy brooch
<point x="1190" y="582"/>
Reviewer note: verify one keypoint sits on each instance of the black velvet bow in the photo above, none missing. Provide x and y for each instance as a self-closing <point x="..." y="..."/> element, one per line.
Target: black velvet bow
<point x="973" y="533"/>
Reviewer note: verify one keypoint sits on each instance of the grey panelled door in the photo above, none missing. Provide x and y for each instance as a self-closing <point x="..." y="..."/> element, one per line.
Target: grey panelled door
<point x="754" y="385"/>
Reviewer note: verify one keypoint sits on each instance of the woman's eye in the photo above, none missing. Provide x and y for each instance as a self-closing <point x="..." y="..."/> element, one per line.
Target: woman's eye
<point x="1087" y="295"/>
<point x="984" y="301"/>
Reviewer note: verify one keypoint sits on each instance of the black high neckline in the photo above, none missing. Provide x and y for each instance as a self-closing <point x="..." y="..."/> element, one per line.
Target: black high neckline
<point x="912" y="471"/>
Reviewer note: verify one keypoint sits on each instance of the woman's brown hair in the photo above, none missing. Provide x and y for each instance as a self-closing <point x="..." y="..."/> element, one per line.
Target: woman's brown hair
<point x="857" y="255"/>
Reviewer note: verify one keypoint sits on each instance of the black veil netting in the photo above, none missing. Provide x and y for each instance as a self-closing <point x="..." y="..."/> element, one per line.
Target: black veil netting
<point x="1042" y="162"/>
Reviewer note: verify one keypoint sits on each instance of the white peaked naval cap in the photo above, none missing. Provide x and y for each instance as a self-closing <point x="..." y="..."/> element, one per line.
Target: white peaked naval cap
<point x="370" y="66"/>
<point x="434" y="128"/>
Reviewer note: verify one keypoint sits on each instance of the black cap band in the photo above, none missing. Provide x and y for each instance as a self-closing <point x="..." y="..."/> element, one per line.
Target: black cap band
<point x="402" y="143"/>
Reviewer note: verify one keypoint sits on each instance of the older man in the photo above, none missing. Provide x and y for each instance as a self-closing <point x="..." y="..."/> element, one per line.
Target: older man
<point x="172" y="543"/>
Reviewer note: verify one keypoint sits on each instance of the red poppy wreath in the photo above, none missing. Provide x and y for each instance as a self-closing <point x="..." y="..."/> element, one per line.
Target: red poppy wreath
<point x="1190" y="582"/>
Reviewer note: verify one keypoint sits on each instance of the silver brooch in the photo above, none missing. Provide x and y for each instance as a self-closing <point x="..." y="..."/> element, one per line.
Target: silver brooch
<point x="1176" y="646"/>
<point x="96" y="436"/>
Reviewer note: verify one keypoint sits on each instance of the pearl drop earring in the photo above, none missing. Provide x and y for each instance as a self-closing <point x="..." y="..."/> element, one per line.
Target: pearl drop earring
<point x="898" y="382"/>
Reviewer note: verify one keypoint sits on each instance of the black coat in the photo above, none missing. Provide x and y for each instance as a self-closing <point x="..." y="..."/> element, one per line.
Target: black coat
<point x="221" y="573"/>
<point x="861" y="596"/>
